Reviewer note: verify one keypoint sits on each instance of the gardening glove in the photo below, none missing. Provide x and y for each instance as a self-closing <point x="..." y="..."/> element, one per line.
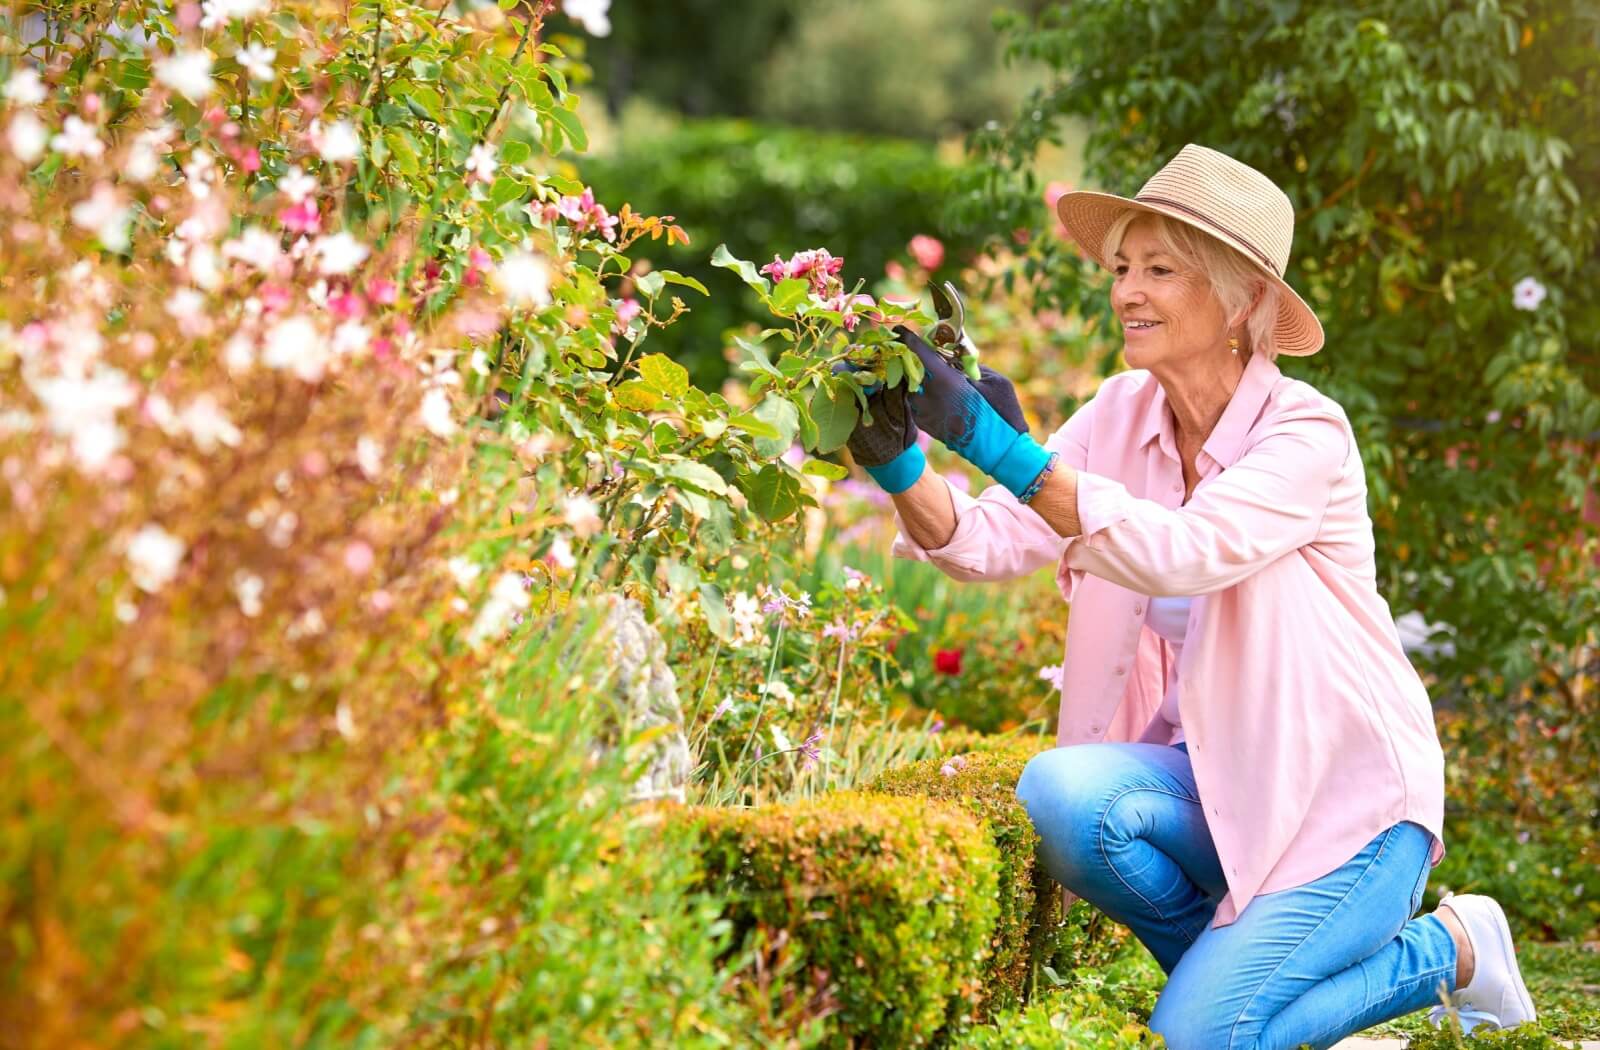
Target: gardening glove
<point x="979" y="421"/>
<point x="887" y="447"/>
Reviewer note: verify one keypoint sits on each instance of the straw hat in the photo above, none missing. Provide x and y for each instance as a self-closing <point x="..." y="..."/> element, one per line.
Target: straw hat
<point x="1232" y="202"/>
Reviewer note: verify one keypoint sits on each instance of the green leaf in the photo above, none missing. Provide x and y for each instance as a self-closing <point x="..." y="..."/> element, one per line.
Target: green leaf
<point x="504" y="191"/>
<point x="746" y="270"/>
<point x="790" y="293"/>
<point x="833" y="407"/>
<point x="637" y="396"/>
<point x="784" y="418"/>
<point x="821" y="468"/>
<point x="674" y="277"/>
<point x="515" y="153"/>
<point x="698" y="475"/>
<point x="650" y="284"/>
<point x="749" y="424"/>
<point x="572" y="126"/>
<point x="403" y="150"/>
<point x="715" y="608"/>
<point x="664" y="374"/>
<point x="773" y="493"/>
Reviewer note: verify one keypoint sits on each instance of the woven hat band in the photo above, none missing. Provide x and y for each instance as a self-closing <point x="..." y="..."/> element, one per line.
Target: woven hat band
<point x="1234" y="235"/>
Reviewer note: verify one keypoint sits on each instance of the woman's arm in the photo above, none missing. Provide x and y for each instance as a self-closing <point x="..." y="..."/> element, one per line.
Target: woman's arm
<point x="929" y="514"/>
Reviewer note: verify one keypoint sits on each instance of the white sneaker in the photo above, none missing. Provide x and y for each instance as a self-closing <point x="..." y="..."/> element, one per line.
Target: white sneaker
<point x="1495" y="997"/>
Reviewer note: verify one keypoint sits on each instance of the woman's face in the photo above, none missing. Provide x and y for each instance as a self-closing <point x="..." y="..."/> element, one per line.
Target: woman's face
<point x="1169" y="314"/>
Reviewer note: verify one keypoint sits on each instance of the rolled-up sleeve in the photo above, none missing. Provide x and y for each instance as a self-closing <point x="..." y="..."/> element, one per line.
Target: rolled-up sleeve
<point x="1269" y="502"/>
<point x="997" y="537"/>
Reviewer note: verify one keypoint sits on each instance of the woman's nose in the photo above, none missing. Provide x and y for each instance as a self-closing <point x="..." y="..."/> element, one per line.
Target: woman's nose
<point x="1125" y="291"/>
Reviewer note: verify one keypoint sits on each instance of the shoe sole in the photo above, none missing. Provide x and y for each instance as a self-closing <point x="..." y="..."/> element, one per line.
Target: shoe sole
<point x="1502" y="932"/>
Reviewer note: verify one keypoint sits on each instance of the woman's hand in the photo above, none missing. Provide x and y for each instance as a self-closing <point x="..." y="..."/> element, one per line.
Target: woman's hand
<point x="979" y="421"/>
<point x="887" y="445"/>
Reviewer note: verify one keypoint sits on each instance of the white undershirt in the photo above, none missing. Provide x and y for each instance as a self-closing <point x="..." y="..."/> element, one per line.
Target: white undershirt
<point x="1169" y="617"/>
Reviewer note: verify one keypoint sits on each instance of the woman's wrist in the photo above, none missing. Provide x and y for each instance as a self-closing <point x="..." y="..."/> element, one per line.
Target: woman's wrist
<point x="900" y="473"/>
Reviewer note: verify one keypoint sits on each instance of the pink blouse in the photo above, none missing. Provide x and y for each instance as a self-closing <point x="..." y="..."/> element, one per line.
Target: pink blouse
<point x="1308" y="729"/>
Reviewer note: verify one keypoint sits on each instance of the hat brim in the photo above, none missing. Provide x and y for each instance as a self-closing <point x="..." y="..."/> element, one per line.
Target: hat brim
<point x="1088" y="216"/>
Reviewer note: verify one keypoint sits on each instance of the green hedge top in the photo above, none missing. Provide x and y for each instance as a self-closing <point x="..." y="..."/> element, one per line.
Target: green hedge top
<point x="889" y="903"/>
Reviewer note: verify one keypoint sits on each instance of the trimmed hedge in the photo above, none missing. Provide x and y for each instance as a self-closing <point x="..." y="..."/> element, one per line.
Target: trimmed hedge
<point x="1030" y="930"/>
<point x="884" y="906"/>
<point x="1080" y="1018"/>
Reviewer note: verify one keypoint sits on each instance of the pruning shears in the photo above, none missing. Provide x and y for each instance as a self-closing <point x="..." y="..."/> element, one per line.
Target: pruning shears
<point x="948" y="335"/>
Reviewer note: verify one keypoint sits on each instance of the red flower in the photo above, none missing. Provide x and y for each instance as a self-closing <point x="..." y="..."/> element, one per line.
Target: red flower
<point x="947" y="661"/>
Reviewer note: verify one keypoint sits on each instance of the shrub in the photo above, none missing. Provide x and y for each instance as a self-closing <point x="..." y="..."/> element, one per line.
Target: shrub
<point x="888" y="905"/>
<point x="1081" y="1018"/>
<point x="764" y="191"/>
<point x="1438" y="156"/>
<point x="1524" y="1037"/>
<point x="1029" y="930"/>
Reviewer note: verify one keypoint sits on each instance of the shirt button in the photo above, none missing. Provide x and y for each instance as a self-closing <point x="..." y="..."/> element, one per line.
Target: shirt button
<point x="1177" y="486"/>
<point x="1121" y="669"/>
<point x="1137" y="609"/>
<point x="1094" y="729"/>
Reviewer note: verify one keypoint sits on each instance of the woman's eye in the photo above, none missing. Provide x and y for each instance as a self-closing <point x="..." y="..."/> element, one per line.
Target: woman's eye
<point x="1120" y="271"/>
<point x="1160" y="271"/>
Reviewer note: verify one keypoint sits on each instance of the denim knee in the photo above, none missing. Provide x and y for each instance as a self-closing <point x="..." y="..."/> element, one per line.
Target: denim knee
<point x="1066" y="801"/>
<point x="1191" y="1026"/>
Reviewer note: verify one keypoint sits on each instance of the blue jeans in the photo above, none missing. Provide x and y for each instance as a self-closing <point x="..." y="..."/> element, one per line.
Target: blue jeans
<point x="1121" y="826"/>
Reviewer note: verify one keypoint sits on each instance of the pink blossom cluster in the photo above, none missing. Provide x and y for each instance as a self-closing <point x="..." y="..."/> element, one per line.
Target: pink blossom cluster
<point x="583" y="213"/>
<point x="821" y="267"/>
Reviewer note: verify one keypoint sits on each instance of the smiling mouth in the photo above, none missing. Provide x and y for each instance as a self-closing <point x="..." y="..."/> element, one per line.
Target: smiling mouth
<point x="1139" y="326"/>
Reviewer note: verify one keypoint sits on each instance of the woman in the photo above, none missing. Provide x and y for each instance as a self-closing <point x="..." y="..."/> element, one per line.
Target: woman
<point x="1248" y="773"/>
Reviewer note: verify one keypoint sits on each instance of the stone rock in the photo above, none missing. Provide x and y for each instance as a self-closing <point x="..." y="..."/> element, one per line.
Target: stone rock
<point x="644" y="692"/>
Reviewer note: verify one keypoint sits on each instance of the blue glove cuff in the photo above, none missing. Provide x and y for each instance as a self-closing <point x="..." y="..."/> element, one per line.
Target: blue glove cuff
<point x="901" y="472"/>
<point x="1020" y="464"/>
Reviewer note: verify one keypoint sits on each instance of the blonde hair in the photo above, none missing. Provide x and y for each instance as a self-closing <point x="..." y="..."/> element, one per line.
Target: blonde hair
<point x="1232" y="277"/>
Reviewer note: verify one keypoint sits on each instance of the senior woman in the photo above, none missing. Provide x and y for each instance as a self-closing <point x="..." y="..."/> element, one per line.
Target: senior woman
<point x="1248" y="774"/>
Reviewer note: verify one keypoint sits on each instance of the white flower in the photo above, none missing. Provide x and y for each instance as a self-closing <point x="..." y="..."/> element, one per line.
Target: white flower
<point x="153" y="557"/>
<point x="188" y="73"/>
<point x="254" y="247"/>
<point x="336" y="143"/>
<point x="83" y="409"/>
<point x="351" y="337"/>
<point x="77" y="138"/>
<point x="779" y="690"/>
<point x="1052" y="674"/>
<point x="481" y="162"/>
<point x="1528" y="294"/>
<point x="507" y="597"/>
<point x="780" y="739"/>
<point x="104" y="212"/>
<point x="369" y="456"/>
<point x="435" y="413"/>
<point x="344" y="721"/>
<point x="593" y="15"/>
<point x="295" y="343"/>
<point x="480" y="363"/>
<point x="25" y="88"/>
<point x="296" y="185"/>
<point x="581" y="514"/>
<point x="248" y="588"/>
<point x="185" y="304"/>
<point x="27" y="137"/>
<point x="464" y="569"/>
<point x="208" y="425"/>
<point x="219" y="13"/>
<point x="524" y="279"/>
<point x="561" y="553"/>
<point x="338" y="253"/>
<point x="256" y="60"/>
<point x="748" y="622"/>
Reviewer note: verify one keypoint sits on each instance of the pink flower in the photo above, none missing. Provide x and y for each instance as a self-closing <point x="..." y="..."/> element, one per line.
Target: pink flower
<point x="300" y="217"/>
<point x="358" y="557"/>
<point x="382" y="291"/>
<point x="627" y="310"/>
<point x="928" y="251"/>
<point x="1051" y="674"/>
<point x="347" y="305"/>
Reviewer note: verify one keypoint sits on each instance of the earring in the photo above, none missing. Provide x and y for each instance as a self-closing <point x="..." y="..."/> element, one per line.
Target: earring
<point x="1233" y="344"/>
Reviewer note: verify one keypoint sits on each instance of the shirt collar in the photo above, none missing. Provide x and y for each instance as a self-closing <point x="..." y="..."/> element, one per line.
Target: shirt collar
<point x="1260" y="374"/>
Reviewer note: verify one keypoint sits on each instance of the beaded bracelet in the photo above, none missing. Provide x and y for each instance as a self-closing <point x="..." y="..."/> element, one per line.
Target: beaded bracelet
<point x="1027" y="494"/>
